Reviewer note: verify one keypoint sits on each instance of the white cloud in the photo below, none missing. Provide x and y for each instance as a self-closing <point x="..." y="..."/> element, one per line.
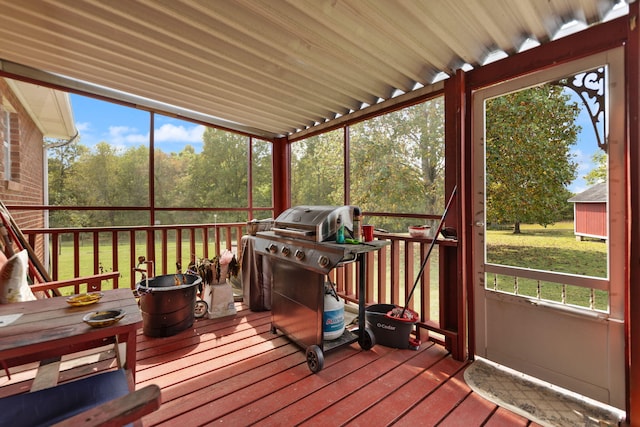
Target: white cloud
<point x="172" y="133"/>
<point x="127" y="136"/>
<point x="87" y="136"/>
<point x="585" y="164"/>
<point x="83" y="127"/>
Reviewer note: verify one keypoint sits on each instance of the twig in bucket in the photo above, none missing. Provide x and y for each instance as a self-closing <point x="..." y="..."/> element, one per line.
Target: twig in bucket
<point x="400" y="312"/>
<point x="397" y="312"/>
<point x="403" y="314"/>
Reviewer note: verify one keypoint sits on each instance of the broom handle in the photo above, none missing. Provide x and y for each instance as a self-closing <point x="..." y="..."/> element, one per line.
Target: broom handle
<point x="433" y="243"/>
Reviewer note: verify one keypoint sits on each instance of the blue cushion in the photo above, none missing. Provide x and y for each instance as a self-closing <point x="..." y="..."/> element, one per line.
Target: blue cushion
<point x="51" y="405"/>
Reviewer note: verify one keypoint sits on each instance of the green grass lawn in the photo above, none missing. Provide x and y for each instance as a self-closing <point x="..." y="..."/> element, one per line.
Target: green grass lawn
<point x="553" y="248"/>
<point x="66" y="268"/>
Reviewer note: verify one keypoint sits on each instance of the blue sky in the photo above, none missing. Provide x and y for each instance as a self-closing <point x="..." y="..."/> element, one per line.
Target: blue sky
<point x="585" y="148"/>
<point x="125" y="127"/>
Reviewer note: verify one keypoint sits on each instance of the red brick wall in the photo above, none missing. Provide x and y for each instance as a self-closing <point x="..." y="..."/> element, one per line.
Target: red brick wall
<point x="26" y="184"/>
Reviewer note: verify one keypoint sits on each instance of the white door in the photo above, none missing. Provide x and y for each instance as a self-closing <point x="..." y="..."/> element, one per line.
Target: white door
<point x="529" y="318"/>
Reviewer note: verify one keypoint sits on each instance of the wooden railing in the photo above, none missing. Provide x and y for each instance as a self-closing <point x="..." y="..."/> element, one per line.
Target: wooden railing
<point x="99" y="249"/>
<point x="391" y="272"/>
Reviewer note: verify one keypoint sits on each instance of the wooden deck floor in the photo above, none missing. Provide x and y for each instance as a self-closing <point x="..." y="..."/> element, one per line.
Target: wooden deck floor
<point x="234" y="371"/>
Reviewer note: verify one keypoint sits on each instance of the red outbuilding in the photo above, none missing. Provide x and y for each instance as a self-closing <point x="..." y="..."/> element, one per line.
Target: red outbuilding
<point x="590" y="212"/>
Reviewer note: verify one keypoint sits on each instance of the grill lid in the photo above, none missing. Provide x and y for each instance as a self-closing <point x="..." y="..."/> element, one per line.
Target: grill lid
<point x="316" y="223"/>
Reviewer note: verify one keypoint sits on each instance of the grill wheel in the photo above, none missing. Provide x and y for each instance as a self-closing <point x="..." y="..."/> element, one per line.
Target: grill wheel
<point x="315" y="359"/>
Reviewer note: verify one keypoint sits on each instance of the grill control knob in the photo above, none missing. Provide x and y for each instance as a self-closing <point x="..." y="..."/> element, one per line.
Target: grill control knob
<point x="323" y="261"/>
<point x="286" y="251"/>
<point x="272" y="248"/>
<point x="299" y="255"/>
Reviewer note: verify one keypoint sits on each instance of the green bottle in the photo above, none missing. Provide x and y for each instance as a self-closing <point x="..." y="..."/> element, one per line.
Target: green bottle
<point x="340" y="230"/>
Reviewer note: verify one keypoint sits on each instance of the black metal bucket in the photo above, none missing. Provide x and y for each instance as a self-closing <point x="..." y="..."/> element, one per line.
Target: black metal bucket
<point x="167" y="307"/>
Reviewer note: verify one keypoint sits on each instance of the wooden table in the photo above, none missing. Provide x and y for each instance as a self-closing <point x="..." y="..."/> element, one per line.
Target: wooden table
<point x="50" y="328"/>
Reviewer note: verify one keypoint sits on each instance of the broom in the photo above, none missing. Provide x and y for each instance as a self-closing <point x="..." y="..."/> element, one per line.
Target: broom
<point x="396" y="314"/>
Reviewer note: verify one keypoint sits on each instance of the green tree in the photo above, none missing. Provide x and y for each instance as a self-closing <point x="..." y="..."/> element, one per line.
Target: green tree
<point x="96" y="182"/>
<point x="528" y="162"/>
<point x="61" y="164"/>
<point x="172" y="179"/>
<point x="174" y="186"/>
<point x="599" y="173"/>
<point x="130" y="177"/>
<point x="425" y="128"/>
<point x="317" y="169"/>
<point x="262" y="174"/>
<point x="218" y="175"/>
<point x="107" y="176"/>
<point x="397" y="162"/>
<point x="396" y="165"/>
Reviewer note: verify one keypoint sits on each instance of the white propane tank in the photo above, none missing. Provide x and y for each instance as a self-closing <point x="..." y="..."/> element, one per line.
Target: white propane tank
<point x="333" y="316"/>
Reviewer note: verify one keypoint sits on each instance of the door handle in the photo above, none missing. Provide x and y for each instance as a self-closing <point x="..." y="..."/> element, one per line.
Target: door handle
<point x="479" y="224"/>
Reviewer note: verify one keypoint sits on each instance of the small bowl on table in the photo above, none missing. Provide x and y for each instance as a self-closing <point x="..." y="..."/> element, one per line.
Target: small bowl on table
<point x="84" y="299"/>
<point x="419" y="231"/>
<point x="100" y="319"/>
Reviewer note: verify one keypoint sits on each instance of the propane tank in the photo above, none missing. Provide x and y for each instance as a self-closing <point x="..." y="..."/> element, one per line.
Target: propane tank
<point x="333" y="316"/>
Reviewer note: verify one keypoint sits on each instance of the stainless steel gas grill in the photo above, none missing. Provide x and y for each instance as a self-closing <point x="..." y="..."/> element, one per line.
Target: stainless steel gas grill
<point x="302" y="250"/>
<point x="314" y="223"/>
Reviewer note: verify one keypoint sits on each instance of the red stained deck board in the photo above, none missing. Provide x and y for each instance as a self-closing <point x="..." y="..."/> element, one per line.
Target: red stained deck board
<point x="182" y="369"/>
<point x="192" y="364"/>
<point x="269" y="410"/>
<point x="203" y="330"/>
<point x="434" y="407"/>
<point x="405" y="366"/>
<point x="268" y="390"/>
<point x="474" y="410"/>
<point x="219" y="395"/>
<point x="402" y="397"/>
<point x="201" y="334"/>
<point x="210" y="351"/>
<point x="234" y="370"/>
<point x="351" y="384"/>
<point x="233" y="376"/>
<point x="504" y="418"/>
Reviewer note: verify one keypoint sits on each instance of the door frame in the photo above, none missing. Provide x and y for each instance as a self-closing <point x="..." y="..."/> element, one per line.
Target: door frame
<point x="617" y="202"/>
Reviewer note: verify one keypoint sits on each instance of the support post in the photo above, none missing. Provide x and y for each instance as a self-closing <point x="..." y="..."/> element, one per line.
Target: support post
<point x="453" y="295"/>
<point x="632" y="308"/>
<point x="281" y="175"/>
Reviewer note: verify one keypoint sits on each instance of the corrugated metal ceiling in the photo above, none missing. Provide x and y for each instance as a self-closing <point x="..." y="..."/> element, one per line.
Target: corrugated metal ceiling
<point x="272" y="67"/>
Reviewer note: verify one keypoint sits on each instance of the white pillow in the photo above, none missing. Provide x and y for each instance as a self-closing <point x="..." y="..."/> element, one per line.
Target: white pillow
<point x="13" y="279"/>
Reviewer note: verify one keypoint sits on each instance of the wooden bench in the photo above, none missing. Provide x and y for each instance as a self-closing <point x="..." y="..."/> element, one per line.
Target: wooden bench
<point x="104" y="399"/>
